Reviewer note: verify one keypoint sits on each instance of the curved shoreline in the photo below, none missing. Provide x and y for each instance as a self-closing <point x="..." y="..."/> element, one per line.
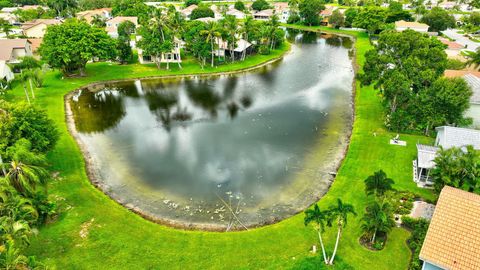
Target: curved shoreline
<point x="95" y="179"/>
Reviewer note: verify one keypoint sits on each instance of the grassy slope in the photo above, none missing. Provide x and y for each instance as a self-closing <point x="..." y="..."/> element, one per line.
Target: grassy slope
<point x="119" y="239"/>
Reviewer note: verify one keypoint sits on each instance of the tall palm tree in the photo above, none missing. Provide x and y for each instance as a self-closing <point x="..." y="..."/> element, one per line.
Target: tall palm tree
<point x="212" y="35"/>
<point x="248" y="25"/>
<point x="24" y="178"/>
<point x="378" y="183"/>
<point x="274" y="23"/>
<point x="474" y="58"/>
<point x="339" y="214"/>
<point x="378" y="218"/>
<point x="231" y="25"/>
<point x="320" y="218"/>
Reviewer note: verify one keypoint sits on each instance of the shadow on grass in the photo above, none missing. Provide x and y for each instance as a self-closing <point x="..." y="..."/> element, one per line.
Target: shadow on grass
<point x="316" y="262"/>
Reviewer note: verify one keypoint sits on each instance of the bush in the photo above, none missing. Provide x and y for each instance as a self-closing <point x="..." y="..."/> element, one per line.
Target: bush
<point x="192" y="2"/>
<point x="202" y="12"/>
<point x="419" y="229"/>
<point x="260" y="5"/>
<point x="239" y="5"/>
<point x="455" y="64"/>
<point x="294" y="18"/>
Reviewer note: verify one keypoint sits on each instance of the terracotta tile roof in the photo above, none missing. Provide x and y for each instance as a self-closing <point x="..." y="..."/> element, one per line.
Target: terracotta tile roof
<point x="35" y="44"/>
<point x="453" y="238"/>
<point x="450" y="73"/>
<point x="451" y="44"/>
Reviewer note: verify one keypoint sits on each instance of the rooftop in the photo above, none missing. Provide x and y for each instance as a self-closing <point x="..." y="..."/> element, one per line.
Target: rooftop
<point x="450" y="73"/>
<point x="474" y="83"/>
<point x="448" y="137"/>
<point x="7" y="46"/>
<point x="30" y="24"/>
<point x="405" y="24"/>
<point x="426" y="155"/>
<point x="453" y="237"/>
<point x="120" y="19"/>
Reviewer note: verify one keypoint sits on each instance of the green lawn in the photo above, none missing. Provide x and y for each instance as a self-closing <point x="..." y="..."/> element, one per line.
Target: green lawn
<point x="119" y="239"/>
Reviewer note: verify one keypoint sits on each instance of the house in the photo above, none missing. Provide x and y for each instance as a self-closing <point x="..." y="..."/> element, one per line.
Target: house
<point x="453" y="236"/>
<point x="206" y="19"/>
<point x="171" y="57"/>
<point x="188" y="10"/>
<point x="89" y="15"/>
<point x="35" y="45"/>
<point x="112" y="24"/>
<point x="30" y="7"/>
<point x="447" y="137"/>
<point x="38" y="27"/>
<point x="415" y="26"/>
<point x="447" y="5"/>
<point x="6" y="74"/>
<point x="325" y="15"/>
<point x="264" y="14"/>
<point x="237" y="13"/>
<point x="9" y="9"/>
<point x="474" y="83"/>
<point x="9" y="17"/>
<point x="282" y="10"/>
<point x="223" y="50"/>
<point x="453" y="50"/>
<point x="11" y="50"/>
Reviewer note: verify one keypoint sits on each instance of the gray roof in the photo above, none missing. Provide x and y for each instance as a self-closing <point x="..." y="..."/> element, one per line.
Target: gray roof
<point x="426" y="155"/>
<point x="474" y="83"/>
<point x="449" y="137"/>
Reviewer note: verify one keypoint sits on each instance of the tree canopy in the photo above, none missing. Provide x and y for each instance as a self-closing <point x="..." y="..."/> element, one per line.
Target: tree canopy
<point x="371" y="18"/>
<point x="239" y="5"/>
<point x="310" y="10"/>
<point x="69" y="46"/>
<point x="405" y="67"/>
<point x="260" y="5"/>
<point x="438" y="19"/>
<point x="202" y="12"/>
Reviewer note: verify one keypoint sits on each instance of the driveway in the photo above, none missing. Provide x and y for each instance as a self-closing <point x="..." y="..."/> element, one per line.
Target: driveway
<point x="459" y="38"/>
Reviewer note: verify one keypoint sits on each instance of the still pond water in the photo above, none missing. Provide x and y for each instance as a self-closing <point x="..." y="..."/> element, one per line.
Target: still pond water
<point x="260" y="144"/>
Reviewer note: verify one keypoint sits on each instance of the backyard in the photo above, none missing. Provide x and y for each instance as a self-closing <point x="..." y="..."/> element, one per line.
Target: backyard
<point x="93" y="231"/>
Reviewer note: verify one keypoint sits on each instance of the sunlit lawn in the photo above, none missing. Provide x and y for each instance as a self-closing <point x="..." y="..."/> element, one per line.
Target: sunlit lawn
<point x="119" y="239"/>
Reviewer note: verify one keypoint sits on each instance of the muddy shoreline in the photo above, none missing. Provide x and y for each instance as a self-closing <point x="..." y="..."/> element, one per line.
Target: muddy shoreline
<point x="95" y="178"/>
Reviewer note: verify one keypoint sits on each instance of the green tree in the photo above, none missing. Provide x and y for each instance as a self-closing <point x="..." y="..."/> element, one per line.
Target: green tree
<point x="378" y="183"/>
<point x="211" y="34"/>
<point x="350" y="15"/>
<point x="457" y="168"/>
<point x="99" y="21"/>
<point x="124" y="50"/>
<point x="26" y="121"/>
<point x="62" y="7"/>
<point x="378" y="218"/>
<point x="438" y="19"/>
<point x="371" y="19"/>
<point x="69" y="46"/>
<point x="25" y="178"/>
<point x="474" y="18"/>
<point x="202" y="12"/>
<point x="396" y="13"/>
<point x="310" y="10"/>
<point x="337" y="19"/>
<point x="339" y="214"/>
<point x="230" y="25"/>
<point x="401" y="66"/>
<point x="318" y="217"/>
<point x="444" y="102"/>
<point x="6" y="27"/>
<point x="192" y="2"/>
<point x="239" y="5"/>
<point x="133" y="8"/>
<point x="259" y="5"/>
<point x="474" y="58"/>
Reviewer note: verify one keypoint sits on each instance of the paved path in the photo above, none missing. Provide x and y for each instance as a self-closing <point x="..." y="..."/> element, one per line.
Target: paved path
<point x="459" y="38"/>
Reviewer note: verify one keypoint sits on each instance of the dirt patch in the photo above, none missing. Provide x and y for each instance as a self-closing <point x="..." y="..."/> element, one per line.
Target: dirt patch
<point x="85" y="227"/>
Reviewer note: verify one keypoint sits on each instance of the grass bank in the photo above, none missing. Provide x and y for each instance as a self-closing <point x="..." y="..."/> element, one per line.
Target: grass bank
<point x="119" y="239"/>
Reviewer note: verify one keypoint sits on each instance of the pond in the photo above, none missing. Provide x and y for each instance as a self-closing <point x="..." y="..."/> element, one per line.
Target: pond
<point x="222" y="152"/>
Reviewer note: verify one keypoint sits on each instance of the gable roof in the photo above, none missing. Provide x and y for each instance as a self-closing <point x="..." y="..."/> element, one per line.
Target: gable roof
<point x="120" y="19"/>
<point x="449" y="137"/>
<point x="30" y="24"/>
<point x="474" y="83"/>
<point x="453" y="237"/>
<point x="7" y="46"/>
<point x="265" y="13"/>
<point x="426" y="155"/>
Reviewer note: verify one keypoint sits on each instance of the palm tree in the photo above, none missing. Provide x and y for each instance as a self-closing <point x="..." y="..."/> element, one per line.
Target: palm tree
<point x="474" y="58"/>
<point x="378" y="218"/>
<point x="339" y="214"/>
<point x="248" y="25"/>
<point x="378" y="183"/>
<point x="24" y="178"/>
<point x="212" y="34"/>
<point x="230" y="25"/>
<point x="319" y="217"/>
<point x="274" y="23"/>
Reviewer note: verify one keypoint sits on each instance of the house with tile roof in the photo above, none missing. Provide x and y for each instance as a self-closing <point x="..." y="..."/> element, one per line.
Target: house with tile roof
<point x="453" y="237"/>
<point x="415" y="26"/>
<point x="112" y="24"/>
<point x="264" y="15"/>
<point x="89" y="15"/>
<point x="11" y="50"/>
<point x="38" y="27"/>
<point x="447" y="137"/>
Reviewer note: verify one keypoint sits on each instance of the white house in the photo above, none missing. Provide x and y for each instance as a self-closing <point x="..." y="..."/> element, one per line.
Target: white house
<point x="403" y="25"/>
<point x="9" y="17"/>
<point x="88" y="15"/>
<point x="447" y="137"/>
<point x="171" y="57"/>
<point x="264" y="15"/>
<point x="11" y="50"/>
<point x="237" y="13"/>
<point x="6" y="74"/>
